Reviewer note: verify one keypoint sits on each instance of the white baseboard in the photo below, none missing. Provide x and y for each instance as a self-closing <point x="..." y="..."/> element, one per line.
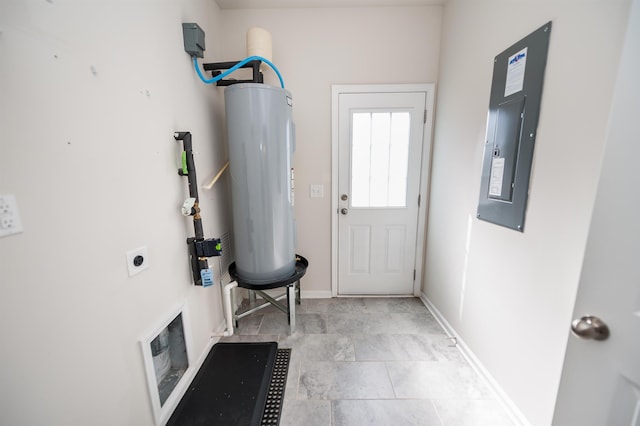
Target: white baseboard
<point x="315" y="294"/>
<point x="511" y="408"/>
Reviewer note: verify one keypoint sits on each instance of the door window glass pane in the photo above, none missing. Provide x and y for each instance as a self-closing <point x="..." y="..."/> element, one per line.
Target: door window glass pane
<point x="379" y="159"/>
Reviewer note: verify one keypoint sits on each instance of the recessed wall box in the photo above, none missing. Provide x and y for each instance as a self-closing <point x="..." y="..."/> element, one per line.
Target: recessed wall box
<point x="193" y="39"/>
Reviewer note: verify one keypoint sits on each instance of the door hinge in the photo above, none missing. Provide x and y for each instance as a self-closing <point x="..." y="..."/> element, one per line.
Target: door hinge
<point x="424" y="119"/>
<point x="414" y="274"/>
<point x="419" y="198"/>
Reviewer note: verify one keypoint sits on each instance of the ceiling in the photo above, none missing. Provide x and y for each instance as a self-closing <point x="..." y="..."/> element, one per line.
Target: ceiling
<point x="275" y="4"/>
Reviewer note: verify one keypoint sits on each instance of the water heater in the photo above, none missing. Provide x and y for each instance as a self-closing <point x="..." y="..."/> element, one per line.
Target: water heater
<point x="260" y="134"/>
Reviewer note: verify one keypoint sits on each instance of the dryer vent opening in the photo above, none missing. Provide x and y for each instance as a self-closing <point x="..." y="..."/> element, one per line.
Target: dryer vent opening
<point x="170" y="361"/>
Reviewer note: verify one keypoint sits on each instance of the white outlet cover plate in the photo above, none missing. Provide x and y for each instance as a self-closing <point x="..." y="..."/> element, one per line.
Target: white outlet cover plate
<point x="10" y="222"/>
<point x="132" y="254"/>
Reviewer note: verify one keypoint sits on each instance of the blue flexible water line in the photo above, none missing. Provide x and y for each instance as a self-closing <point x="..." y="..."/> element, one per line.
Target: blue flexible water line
<point x="234" y="68"/>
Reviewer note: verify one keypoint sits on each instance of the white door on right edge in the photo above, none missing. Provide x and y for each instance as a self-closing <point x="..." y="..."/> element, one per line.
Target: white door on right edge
<point x="380" y="152"/>
<point x="600" y="383"/>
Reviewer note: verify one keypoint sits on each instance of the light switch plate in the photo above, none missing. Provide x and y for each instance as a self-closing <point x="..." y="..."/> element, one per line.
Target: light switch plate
<point x="316" y="191"/>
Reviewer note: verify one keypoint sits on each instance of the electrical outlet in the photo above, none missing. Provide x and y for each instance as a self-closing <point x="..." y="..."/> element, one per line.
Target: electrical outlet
<point x="137" y="260"/>
<point x="10" y="222"/>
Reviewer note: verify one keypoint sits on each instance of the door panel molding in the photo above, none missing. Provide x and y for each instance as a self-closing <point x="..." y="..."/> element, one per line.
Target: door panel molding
<point x="359" y="237"/>
<point x="429" y="90"/>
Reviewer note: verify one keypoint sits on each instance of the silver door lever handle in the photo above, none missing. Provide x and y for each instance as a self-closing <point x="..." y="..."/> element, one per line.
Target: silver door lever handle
<point x="590" y="327"/>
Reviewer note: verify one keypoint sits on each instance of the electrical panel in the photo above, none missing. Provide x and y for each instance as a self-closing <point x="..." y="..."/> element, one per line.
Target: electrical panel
<point x="514" y="107"/>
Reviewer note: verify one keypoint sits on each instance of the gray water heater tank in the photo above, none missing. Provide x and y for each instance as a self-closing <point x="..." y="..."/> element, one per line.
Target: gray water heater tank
<point x="260" y="134"/>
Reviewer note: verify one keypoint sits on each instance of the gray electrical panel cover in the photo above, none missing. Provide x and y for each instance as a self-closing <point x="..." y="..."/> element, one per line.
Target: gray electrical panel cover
<point x="193" y="38"/>
<point x="514" y="107"/>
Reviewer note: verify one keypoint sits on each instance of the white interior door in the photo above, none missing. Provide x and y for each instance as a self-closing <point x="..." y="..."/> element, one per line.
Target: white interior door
<point x="600" y="382"/>
<point x="380" y="139"/>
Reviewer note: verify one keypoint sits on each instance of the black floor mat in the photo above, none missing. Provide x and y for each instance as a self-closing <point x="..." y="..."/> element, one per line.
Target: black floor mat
<point x="273" y="407"/>
<point x="231" y="388"/>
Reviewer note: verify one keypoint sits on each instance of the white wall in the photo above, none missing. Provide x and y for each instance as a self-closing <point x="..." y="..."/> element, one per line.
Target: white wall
<point x="91" y="93"/>
<point x="510" y="295"/>
<point x="315" y="48"/>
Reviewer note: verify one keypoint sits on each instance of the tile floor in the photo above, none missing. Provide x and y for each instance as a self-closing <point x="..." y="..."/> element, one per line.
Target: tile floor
<point x="370" y="362"/>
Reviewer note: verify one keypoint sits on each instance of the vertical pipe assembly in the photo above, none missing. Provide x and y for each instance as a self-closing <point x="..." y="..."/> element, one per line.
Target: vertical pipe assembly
<point x="229" y="309"/>
<point x="199" y="247"/>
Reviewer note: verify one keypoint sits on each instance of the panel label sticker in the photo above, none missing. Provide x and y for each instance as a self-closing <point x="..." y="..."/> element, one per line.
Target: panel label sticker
<point x="515" y="72"/>
<point x="497" y="176"/>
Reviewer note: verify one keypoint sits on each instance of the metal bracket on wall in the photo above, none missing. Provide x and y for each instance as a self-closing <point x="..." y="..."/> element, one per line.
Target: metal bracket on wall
<point x="216" y="68"/>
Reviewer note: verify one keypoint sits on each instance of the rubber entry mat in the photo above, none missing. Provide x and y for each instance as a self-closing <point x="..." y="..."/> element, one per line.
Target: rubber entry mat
<point x="231" y="387"/>
<point x="273" y="407"/>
